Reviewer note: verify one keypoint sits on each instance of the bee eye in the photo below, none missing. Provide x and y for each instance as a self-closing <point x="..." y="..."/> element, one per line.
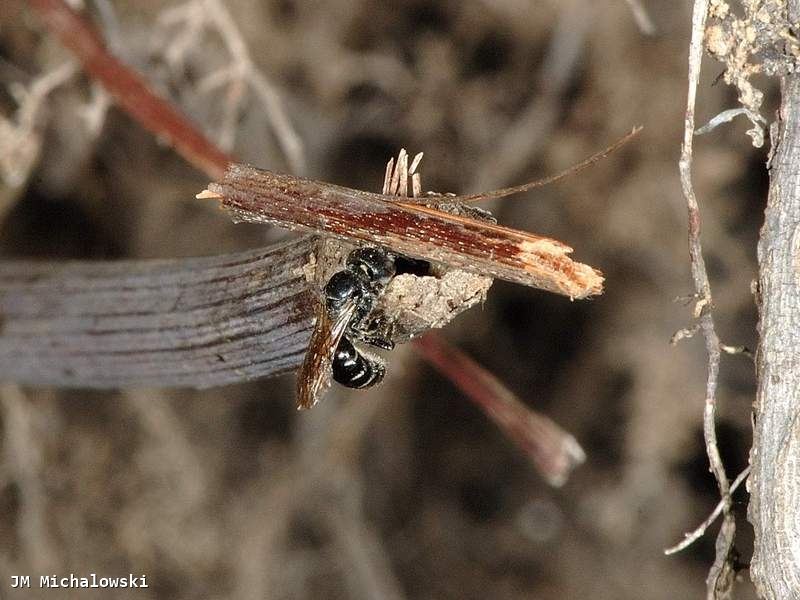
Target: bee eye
<point x="375" y="264"/>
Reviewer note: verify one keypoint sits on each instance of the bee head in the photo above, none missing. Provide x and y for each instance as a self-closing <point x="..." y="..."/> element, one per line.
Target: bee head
<point x="373" y="263"/>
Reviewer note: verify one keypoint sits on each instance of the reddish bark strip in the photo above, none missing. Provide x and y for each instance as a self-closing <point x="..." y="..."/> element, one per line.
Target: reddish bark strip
<point x="552" y="450"/>
<point x="129" y="90"/>
<point x="264" y="197"/>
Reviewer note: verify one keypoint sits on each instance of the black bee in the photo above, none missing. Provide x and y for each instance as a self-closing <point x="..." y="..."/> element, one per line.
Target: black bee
<point x="367" y="272"/>
<point x="350" y="296"/>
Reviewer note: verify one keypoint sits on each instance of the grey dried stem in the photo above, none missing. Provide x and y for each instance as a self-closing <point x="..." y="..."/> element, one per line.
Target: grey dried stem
<point x="700" y="530"/>
<point x="21" y="136"/>
<point x="156" y="323"/>
<point x="185" y="25"/>
<point x="720" y="576"/>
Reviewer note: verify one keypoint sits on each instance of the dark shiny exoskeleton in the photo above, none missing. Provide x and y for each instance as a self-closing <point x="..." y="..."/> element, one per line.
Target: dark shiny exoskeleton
<point x="367" y="272"/>
<point x="353" y="369"/>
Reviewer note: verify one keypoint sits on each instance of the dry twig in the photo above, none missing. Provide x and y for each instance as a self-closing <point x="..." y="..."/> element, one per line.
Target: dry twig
<point x="415" y="230"/>
<point x="553" y="451"/>
<point x="700" y="530"/>
<point x="720" y="577"/>
<point x="128" y="89"/>
<point x="185" y="24"/>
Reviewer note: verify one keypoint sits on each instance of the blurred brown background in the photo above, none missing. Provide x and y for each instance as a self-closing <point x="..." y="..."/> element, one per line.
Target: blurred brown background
<point x="407" y="490"/>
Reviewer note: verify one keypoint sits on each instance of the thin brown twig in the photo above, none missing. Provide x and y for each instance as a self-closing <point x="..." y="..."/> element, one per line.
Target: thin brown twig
<point x="721" y="573"/>
<point x="129" y="90"/>
<point x="553" y="451"/>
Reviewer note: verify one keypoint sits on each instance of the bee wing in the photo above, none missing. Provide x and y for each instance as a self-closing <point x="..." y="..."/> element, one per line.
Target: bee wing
<point x="314" y="376"/>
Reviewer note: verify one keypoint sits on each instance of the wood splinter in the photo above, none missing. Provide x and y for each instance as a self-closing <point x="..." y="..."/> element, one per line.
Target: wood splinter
<point x="408" y="228"/>
<point x="415" y="226"/>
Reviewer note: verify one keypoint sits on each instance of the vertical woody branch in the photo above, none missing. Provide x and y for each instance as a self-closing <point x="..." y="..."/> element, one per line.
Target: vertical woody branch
<point x="775" y="478"/>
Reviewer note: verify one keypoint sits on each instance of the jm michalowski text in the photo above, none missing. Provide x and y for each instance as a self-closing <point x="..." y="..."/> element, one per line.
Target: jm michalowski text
<point x="91" y="580"/>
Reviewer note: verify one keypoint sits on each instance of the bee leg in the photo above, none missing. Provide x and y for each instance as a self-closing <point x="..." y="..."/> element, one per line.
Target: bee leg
<point x="353" y="369"/>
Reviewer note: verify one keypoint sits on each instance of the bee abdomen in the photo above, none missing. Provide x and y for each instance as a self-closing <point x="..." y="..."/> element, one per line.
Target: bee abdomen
<point x="354" y="370"/>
